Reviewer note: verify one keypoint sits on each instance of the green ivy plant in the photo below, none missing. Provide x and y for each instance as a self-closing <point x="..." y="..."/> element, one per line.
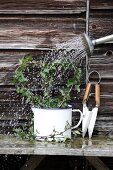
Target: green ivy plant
<point x="24" y="134"/>
<point x="53" y="81"/>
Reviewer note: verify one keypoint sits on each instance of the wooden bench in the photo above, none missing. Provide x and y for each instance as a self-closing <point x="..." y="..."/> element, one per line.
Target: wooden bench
<point x="90" y="149"/>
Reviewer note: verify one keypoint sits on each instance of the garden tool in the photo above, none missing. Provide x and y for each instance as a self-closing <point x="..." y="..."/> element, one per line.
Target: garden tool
<point x="89" y="44"/>
<point x="89" y="116"/>
<point x="94" y="110"/>
<point x="86" y="112"/>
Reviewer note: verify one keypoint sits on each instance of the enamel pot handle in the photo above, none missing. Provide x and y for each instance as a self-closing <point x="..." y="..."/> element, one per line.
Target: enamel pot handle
<point x="81" y="117"/>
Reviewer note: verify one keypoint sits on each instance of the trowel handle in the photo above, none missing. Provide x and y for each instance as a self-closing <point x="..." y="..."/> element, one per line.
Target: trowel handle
<point x="97" y="94"/>
<point x="87" y="91"/>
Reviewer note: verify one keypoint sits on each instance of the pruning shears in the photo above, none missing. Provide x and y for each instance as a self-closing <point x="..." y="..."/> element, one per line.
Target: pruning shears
<point x="89" y="116"/>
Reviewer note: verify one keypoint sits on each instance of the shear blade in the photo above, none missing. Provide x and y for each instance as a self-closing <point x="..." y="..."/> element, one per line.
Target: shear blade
<point x="92" y="121"/>
<point x="86" y="120"/>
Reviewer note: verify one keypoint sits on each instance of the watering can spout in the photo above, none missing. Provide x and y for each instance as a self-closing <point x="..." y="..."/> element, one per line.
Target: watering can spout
<point x="103" y="40"/>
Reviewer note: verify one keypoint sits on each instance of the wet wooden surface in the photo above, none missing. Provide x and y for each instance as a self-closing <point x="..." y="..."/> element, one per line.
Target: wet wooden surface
<point x="78" y="147"/>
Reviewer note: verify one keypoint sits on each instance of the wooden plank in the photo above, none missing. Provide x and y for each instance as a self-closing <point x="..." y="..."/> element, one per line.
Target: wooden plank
<point x="105" y="70"/>
<point x="102" y="61"/>
<point x="99" y="147"/>
<point x="8" y="62"/>
<point x="78" y="147"/>
<point x="42" y="6"/>
<point x="33" y="162"/>
<point x="50" y="12"/>
<point x="97" y="163"/>
<point x="11" y="145"/>
<point x="99" y="22"/>
<point x="10" y="58"/>
<point x="103" y="128"/>
<point x="44" y="32"/>
<point x="101" y="4"/>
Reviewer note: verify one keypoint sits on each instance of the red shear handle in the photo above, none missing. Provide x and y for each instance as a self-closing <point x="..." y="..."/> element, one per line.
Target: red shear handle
<point x="97" y="94"/>
<point x="87" y="91"/>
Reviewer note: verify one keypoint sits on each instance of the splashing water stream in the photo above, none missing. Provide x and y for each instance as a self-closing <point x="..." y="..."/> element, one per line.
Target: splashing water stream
<point x="74" y="45"/>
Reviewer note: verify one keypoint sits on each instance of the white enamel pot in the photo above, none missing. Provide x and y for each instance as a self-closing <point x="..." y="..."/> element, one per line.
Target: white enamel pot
<point x="54" y="121"/>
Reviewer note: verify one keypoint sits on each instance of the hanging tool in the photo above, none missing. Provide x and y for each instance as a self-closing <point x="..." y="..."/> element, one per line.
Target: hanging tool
<point x="89" y="44"/>
<point x="86" y="112"/>
<point x="94" y="110"/>
<point x="89" y="116"/>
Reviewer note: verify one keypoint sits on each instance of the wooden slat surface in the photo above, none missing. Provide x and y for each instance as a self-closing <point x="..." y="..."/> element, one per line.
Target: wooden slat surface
<point x="42" y="6"/>
<point x="102" y="61"/>
<point x="101" y="4"/>
<point x="100" y="23"/>
<point x="78" y="147"/>
<point x="8" y="62"/>
<point x="24" y="32"/>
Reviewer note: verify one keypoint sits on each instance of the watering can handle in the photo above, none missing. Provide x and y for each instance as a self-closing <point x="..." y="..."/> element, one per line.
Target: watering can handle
<point x="81" y="117"/>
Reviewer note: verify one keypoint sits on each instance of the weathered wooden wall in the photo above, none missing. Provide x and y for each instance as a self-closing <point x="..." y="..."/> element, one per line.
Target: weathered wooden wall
<point x="34" y="26"/>
<point x="31" y="26"/>
<point x="101" y="24"/>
